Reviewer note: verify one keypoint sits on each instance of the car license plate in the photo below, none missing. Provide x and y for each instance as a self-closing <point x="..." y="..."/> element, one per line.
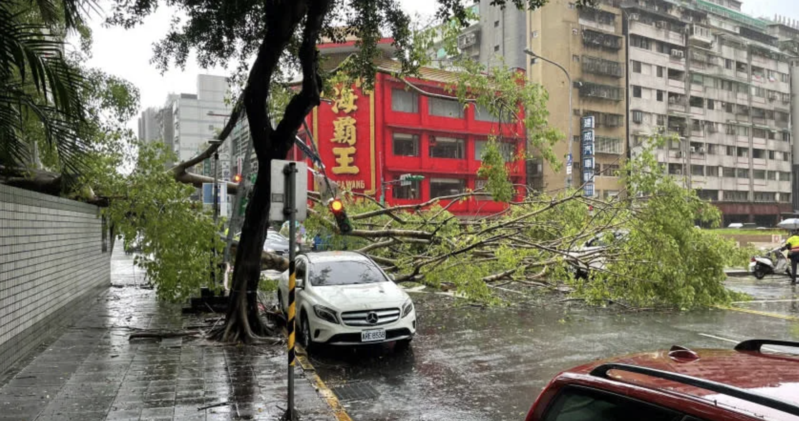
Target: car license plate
<point x="373" y="335"/>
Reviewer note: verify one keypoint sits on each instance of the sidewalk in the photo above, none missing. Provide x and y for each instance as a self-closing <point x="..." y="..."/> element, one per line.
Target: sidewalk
<point x="93" y="372"/>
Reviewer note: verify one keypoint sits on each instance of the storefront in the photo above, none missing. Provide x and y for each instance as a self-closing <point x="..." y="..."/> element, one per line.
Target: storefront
<point x="369" y="139"/>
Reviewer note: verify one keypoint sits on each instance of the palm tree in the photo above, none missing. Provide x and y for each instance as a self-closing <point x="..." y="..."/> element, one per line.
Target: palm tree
<point x="39" y="89"/>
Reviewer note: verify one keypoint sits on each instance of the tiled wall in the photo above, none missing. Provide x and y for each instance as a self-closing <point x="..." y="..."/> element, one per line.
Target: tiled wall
<point x="52" y="259"/>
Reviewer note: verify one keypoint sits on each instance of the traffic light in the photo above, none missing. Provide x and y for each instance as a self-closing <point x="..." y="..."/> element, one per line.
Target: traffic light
<point x="237" y="178"/>
<point x="337" y="209"/>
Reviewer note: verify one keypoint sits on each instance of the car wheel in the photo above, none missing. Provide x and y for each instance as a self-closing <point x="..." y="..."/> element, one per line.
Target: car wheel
<point x="760" y="271"/>
<point x="305" y="334"/>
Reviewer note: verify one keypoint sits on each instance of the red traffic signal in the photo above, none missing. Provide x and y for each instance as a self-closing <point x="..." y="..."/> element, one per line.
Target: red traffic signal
<point x="237" y="178"/>
<point x="342" y="221"/>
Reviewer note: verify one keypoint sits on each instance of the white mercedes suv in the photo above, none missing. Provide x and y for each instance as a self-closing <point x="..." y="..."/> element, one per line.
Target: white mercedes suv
<point x="345" y="298"/>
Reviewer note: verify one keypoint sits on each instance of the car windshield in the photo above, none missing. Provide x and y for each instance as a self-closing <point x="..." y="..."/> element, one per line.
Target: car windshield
<point x="344" y="272"/>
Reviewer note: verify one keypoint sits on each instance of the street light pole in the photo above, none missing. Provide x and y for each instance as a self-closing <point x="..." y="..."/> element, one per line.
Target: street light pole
<point x="570" y="140"/>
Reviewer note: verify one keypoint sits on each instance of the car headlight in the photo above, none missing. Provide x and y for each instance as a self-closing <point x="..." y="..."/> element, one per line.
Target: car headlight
<point x="270" y="250"/>
<point x="326" y="314"/>
<point x="407" y="308"/>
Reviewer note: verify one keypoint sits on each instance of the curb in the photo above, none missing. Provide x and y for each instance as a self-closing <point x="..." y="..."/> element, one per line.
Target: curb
<point x="310" y="374"/>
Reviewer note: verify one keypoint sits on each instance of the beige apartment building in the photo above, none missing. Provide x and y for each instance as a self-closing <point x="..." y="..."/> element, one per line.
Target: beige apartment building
<point x="589" y="44"/>
<point x="714" y="78"/>
<point x="718" y="83"/>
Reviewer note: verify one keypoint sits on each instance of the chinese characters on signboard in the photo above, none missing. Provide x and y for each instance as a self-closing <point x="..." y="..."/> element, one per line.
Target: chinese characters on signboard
<point x="344" y="133"/>
<point x="346" y="138"/>
<point x="588" y="155"/>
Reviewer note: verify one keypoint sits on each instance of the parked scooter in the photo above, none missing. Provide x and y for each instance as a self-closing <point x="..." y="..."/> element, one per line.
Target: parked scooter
<point x="774" y="262"/>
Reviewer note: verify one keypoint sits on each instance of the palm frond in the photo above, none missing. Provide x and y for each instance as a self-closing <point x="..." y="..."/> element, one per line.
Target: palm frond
<point x="36" y="80"/>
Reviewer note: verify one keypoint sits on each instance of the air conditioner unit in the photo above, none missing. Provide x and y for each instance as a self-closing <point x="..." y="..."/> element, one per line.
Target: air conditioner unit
<point x="693" y="149"/>
<point x="658" y="24"/>
<point x="701" y="151"/>
<point x="678" y="53"/>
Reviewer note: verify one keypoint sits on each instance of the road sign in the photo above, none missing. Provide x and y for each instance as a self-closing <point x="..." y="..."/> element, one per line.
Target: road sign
<point x="278" y="203"/>
<point x="588" y="122"/>
<point x="208" y="193"/>
<point x="588" y="190"/>
<point x="569" y="163"/>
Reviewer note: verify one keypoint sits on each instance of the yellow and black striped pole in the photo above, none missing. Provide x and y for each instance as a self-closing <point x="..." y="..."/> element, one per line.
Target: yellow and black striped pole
<point x="291" y="212"/>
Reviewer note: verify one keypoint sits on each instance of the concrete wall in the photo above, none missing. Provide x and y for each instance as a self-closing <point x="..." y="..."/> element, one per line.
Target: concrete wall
<point x="52" y="260"/>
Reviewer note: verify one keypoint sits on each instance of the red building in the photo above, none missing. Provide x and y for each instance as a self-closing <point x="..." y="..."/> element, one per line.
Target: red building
<point x="367" y="140"/>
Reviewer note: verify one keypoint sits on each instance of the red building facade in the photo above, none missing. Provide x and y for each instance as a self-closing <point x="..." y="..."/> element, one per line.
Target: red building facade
<point x="368" y="139"/>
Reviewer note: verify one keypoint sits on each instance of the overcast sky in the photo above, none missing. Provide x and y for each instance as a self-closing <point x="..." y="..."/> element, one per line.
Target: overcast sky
<point x="127" y="53"/>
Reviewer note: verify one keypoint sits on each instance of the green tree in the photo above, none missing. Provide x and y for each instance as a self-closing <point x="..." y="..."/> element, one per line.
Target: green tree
<point x="278" y="34"/>
<point x="40" y="87"/>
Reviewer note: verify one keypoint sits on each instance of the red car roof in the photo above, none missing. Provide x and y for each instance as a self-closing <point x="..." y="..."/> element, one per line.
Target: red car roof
<point x="768" y="374"/>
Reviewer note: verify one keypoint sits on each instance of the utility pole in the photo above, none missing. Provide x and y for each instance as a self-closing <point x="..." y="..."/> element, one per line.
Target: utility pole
<point x="570" y="139"/>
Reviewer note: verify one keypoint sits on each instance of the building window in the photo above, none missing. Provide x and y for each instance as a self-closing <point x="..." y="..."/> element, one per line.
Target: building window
<point x="759" y="153"/>
<point x="675" y="169"/>
<point x="771" y="175"/>
<point x="770" y="154"/>
<point x="445" y="108"/>
<point x="637" y="92"/>
<point x="660" y="71"/>
<point x="728" y="172"/>
<point x="496" y="48"/>
<point x="765" y="197"/>
<point x="759" y="174"/>
<point x="609" y="145"/>
<point x="711" y="105"/>
<point x="639" y="42"/>
<point x="712" y="150"/>
<point x="446" y="147"/>
<point x="408" y="192"/>
<point x="711" y="171"/>
<point x="636" y="66"/>
<point x="743" y="153"/>
<point x="786" y="137"/>
<point x="742" y="172"/>
<point x="728" y="64"/>
<point x="508" y="150"/>
<point x="404" y="101"/>
<point x="406" y="144"/>
<point x="697" y="102"/>
<point x="638" y="117"/>
<point x="698" y="170"/>
<point x="661" y="120"/>
<point x="482" y="114"/>
<point x="785" y="176"/>
<point x="786" y="156"/>
<point x="496" y="23"/>
<point x="785" y="197"/>
<point x="736" y="196"/>
<point x="660" y="96"/>
<point x="440" y="187"/>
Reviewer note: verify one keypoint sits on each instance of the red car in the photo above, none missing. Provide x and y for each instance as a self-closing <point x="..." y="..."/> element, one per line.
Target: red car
<point x="678" y="385"/>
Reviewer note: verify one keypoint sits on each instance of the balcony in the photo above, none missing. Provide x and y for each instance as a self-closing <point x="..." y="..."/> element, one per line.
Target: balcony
<point x="596" y="90"/>
<point x="700" y="36"/>
<point x="601" y="40"/>
<point x="602" y="67"/>
<point x="608" y="145"/>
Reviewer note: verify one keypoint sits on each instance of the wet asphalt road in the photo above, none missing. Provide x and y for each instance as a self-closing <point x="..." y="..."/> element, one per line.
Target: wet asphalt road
<point x="469" y="363"/>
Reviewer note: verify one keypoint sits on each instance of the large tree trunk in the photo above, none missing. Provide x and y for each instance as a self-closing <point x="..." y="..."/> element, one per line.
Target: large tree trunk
<point x="243" y="322"/>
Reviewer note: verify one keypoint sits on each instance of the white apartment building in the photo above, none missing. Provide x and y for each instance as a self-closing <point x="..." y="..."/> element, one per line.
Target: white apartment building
<point x="196" y="118"/>
<point x="149" y="129"/>
<point x="715" y="79"/>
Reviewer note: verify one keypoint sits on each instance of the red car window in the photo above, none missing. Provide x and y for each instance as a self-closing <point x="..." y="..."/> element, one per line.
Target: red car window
<point x="584" y="404"/>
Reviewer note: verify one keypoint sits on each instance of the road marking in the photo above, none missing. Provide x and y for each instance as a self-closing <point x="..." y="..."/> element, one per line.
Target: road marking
<point x="321" y="387"/>
<point x="760" y="313"/>
<point x="794" y="300"/>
